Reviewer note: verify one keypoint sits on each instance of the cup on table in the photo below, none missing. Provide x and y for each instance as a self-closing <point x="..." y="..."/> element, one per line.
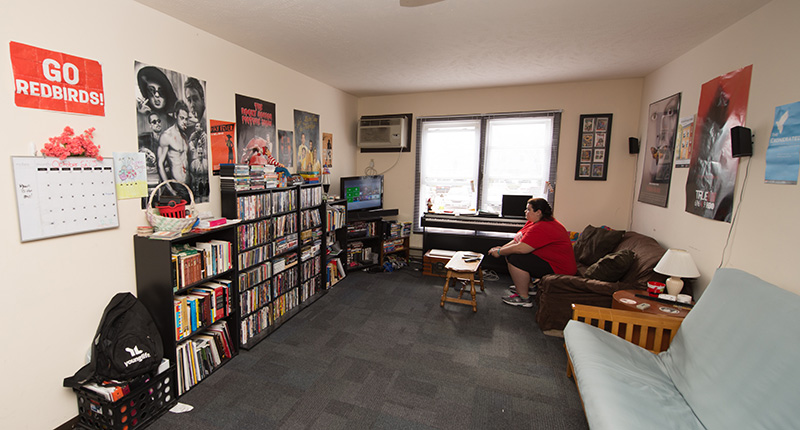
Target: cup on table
<point x="655" y="288"/>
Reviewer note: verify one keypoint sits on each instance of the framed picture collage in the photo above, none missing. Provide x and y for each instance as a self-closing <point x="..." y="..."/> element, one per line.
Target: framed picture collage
<point x="594" y="138"/>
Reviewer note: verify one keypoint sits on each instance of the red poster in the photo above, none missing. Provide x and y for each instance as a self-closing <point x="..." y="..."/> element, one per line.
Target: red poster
<point x="223" y="149"/>
<point x="56" y="81"/>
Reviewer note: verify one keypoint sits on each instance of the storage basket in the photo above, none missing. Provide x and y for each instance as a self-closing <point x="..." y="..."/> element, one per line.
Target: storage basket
<point x="170" y="221"/>
<point x="133" y="411"/>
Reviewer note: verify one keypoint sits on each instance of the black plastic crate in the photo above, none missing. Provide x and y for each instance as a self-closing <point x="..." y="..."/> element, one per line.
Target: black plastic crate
<point x="135" y="410"/>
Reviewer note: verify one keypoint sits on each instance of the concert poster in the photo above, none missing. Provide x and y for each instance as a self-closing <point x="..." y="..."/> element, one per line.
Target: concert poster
<point x="712" y="171"/>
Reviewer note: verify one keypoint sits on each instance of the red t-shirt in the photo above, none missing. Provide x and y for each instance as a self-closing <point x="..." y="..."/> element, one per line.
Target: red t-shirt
<point x="550" y="242"/>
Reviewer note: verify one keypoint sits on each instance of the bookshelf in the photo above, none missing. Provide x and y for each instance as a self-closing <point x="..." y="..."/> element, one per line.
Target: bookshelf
<point x="279" y="241"/>
<point x="396" y="241"/>
<point x="335" y="241"/>
<point x="188" y="285"/>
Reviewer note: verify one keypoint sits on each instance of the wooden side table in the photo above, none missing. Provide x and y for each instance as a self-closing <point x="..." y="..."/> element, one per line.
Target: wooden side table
<point x="459" y="268"/>
<point x="627" y="300"/>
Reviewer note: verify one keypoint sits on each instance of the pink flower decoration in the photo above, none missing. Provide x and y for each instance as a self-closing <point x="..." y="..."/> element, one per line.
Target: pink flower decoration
<point x="68" y="144"/>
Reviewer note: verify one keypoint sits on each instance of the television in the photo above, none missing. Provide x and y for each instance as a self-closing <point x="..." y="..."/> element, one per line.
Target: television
<point x="363" y="193"/>
<point x="514" y="206"/>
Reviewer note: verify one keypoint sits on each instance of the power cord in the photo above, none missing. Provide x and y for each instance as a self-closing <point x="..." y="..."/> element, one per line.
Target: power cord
<point x="735" y="213"/>
<point x="370" y="170"/>
<point x="490" y="275"/>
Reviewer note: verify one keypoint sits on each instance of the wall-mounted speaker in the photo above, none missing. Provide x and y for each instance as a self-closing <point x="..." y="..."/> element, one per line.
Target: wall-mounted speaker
<point x="633" y="145"/>
<point x="741" y="141"/>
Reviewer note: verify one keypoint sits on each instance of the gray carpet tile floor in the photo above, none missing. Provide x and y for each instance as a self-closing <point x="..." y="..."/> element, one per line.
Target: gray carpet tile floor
<point x="378" y="352"/>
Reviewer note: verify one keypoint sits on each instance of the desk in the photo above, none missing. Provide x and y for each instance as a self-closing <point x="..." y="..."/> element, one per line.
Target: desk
<point x="457" y="269"/>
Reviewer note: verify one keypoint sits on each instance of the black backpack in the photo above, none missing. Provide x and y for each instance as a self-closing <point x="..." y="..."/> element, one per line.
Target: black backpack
<point x="127" y="344"/>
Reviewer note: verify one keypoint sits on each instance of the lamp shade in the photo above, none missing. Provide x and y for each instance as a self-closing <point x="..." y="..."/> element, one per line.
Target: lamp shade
<point x="677" y="262"/>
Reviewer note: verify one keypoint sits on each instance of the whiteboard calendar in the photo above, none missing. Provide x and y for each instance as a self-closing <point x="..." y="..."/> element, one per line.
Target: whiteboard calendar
<point x="60" y="197"/>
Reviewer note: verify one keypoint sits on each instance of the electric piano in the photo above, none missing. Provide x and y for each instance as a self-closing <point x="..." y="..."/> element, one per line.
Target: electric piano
<point x="469" y="233"/>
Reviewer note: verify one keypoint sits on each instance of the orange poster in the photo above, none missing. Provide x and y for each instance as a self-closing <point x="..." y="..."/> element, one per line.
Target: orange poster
<point x="223" y="146"/>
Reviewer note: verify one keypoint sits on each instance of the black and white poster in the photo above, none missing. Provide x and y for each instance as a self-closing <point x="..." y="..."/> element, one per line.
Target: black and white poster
<point x="659" y="151"/>
<point x="172" y="128"/>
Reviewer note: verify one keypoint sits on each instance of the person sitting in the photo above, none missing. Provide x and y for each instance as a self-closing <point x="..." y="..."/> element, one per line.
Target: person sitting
<point x="539" y="248"/>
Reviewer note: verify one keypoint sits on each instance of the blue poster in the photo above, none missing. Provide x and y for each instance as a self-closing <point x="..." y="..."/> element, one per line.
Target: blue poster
<point x="783" y="153"/>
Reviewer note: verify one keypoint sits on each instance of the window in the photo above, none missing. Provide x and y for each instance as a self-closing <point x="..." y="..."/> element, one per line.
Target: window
<point x="467" y="163"/>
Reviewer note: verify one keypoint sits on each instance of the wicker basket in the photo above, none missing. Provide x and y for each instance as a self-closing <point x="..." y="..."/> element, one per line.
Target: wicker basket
<point x="163" y="223"/>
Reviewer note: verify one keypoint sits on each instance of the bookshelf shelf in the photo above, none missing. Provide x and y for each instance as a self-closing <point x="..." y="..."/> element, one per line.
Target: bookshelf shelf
<point x="198" y="319"/>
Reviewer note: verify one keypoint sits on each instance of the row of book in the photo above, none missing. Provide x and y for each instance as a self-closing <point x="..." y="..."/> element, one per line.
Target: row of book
<point x="393" y="245"/>
<point x="254" y="256"/>
<point x="254" y="276"/>
<point x="284" y="281"/>
<point x="284" y="224"/>
<point x="309" y="288"/>
<point x="311" y="235"/>
<point x="337" y="216"/>
<point x="253" y="234"/>
<point x="358" y="254"/>
<point x="334" y="272"/>
<point x="309" y="219"/>
<point x="255" y="323"/>
<point x="310" y="250"/>
<point x="192" y="264"/>
<point x="283" y="244"/>
<point x="201" y="306"/>
<point x="284" y="201"/>
<point x="399" y="229"/>
<point x="254" y="298"/>
<point x="311" y="268"/>
<point x="199" y="356"/>
<point x="311" y="196"/>
<point x="362" y="229"/>
<point x="253" y="206"/>
<point x="282" y="263"/>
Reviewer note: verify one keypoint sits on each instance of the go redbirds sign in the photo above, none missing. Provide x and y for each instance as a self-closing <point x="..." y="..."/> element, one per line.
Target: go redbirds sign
<point x="56" y="81"/>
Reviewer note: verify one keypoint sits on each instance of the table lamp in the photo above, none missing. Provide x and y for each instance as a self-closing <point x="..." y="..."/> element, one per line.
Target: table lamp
<point x="677" y="263"/>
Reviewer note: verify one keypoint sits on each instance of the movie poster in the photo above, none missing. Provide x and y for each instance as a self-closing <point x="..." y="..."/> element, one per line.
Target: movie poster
<point x="223" y="149"/>
<point x="712" y="171"/>
<point x="327" y="149"/>
<point x="306" y="133"/>
<point x="255" y="131"/>
<point x="172" y="127"/>
<point x="286" y="148"/>
<point x="662" y="127"/>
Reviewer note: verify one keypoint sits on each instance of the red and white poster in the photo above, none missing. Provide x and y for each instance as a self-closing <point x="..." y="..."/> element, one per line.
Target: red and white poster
<point x="56" y="81"/>
<point x="223" y="149"/>
<point x="712" y="171"/>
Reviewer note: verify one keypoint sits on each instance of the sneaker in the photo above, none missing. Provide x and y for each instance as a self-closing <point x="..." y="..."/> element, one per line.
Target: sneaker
<point x="516" y="300"/>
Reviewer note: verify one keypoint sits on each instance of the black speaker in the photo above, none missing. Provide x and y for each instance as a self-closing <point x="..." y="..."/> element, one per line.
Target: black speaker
<point x="741" y="141"/>
<point x="633" y="145"/>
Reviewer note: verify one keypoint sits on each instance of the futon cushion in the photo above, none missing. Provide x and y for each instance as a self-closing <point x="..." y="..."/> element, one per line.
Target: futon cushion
<point x="622" y="385"/>
<point x="595" y="242"/>
<point x="612" y="267"/>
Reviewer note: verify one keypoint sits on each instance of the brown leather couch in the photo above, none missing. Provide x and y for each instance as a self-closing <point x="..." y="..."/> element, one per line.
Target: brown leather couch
<point x="558" y="292"/>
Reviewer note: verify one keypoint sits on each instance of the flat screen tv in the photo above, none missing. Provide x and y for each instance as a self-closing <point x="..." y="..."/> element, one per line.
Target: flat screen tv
<point x="363" y="193"/>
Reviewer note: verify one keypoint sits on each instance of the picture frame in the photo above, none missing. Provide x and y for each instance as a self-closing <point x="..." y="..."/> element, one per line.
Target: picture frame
<point x="594" y="144"/>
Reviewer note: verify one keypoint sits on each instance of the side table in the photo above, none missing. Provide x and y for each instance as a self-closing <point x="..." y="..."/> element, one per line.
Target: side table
<point x="627" y="300"/>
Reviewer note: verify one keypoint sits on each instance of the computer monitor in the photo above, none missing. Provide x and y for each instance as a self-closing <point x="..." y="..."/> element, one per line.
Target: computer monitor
<point x="514" y="206"/>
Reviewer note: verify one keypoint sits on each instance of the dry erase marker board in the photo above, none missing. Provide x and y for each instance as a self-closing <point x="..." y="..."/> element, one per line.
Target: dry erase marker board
<point x="59" y="197"/>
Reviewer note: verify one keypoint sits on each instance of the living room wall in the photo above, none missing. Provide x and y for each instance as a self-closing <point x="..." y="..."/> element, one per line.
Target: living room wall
<point x="55" y="289"/>
<point x="764" y="235"/>
<point x="577" y="203"/>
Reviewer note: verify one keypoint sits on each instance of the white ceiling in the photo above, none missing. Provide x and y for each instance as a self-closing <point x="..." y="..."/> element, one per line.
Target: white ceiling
<point x="378" y="47"/>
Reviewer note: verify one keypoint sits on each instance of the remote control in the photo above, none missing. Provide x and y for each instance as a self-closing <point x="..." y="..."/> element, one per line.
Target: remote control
<point x="642" y="306"/>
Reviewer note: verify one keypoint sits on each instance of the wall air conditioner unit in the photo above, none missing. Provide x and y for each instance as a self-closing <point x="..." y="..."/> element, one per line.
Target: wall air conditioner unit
<point x="382" y="133"/>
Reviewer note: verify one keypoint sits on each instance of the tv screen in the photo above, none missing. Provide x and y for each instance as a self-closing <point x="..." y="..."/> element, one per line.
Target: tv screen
<point x="363" y="192"/>
<point x="514" y="206"/>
